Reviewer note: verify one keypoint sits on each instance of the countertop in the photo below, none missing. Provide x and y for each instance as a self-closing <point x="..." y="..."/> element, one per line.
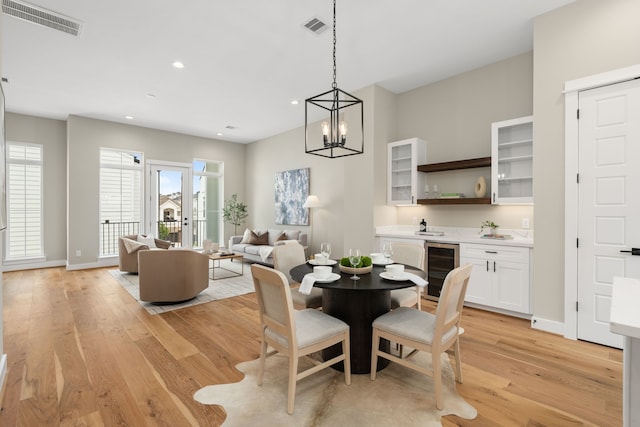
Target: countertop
<point x="522" y="238"/>
<point x="625" y="317"/>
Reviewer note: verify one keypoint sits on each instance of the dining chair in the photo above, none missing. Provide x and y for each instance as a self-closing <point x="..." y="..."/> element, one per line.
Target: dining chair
<point x="285" y="257"/>
<point x="295" y="333"/>
<point x="413" y="255"/>
<point x="426" y="332"/>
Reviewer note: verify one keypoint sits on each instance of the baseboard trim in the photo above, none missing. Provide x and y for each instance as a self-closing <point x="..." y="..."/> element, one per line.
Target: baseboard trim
<point x="104" y="262"/>
<point x="17" y="266"/>
<point x="546" y="325"/>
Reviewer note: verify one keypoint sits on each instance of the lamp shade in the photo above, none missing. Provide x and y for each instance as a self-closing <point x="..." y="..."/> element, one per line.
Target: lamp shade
<point x="312" y="202"/>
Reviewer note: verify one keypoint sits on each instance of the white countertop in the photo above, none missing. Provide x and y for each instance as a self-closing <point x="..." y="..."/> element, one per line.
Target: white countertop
<point x="625" y="317"/>
<point x="523" y="238"/>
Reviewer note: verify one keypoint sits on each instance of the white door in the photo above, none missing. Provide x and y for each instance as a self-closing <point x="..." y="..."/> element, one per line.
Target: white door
<point x="169" y="202"/>
<point x="608" y="202"/>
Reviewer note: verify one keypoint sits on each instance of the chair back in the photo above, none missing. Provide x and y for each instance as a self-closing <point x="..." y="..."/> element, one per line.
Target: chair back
<point x="274" y="301"/>
<point x="449" y="311"/>
<point x="409" y="254"/>
<point x="287" y="256"/>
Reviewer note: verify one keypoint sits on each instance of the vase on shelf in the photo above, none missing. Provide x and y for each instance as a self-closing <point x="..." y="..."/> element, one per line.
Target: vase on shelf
<point x="481" y="187"/>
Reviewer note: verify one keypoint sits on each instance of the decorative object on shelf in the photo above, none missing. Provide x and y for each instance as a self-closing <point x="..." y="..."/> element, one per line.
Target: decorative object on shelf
<point x="423" y="225"/>
<point x="291" y="192"/>
<point x="492" y="226"/>
<point x="334" y="142"/>
<point x="451" y="196"/>
<point x="481" y="187"/>
<point x="234" y="212"/>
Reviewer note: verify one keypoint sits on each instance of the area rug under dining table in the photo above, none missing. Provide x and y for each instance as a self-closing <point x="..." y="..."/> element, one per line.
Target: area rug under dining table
<point x="225" y="287"/>
<point x="398" y="396"/>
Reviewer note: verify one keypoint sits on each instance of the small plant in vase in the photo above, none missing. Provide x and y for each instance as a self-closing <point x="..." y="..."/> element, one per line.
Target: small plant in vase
<point x="491" y="226"/>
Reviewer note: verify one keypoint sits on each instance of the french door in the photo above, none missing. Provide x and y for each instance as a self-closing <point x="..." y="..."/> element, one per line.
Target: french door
<point x="169" y="202"/>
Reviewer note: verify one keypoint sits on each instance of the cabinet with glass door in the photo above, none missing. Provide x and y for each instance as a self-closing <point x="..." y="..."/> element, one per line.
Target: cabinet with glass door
<point x="512" y="161"/>
<point x="403" y="181"/>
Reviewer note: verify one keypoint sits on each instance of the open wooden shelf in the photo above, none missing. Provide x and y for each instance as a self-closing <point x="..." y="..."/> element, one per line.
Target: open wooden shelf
<point x="461" y="201"/>
<point x="480" y="162"/>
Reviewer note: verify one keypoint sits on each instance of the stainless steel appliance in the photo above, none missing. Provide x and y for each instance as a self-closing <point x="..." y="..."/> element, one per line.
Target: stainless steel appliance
<point x="441" y="258"/>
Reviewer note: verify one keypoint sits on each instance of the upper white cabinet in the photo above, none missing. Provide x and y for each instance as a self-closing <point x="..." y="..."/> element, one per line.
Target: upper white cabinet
<point x="404" y="183"/>
<point x="512" y="161"/>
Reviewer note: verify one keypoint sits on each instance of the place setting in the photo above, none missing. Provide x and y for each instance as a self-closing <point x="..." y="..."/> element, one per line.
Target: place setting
<point x="323" y="257"/>
<point x="397" y="273"/>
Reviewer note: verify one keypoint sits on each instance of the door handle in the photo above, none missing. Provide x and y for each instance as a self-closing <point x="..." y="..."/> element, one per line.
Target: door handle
<point x="633" y="251"/>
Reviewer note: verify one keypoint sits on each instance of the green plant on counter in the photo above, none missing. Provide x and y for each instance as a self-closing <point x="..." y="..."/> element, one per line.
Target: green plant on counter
<point x="365" y="261"/>
<point x="490" y="225"/>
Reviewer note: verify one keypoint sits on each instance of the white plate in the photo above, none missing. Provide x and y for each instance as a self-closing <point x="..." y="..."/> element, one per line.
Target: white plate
<point x="383" y="262"/>
<point x="332" y="278"/>
<point x="402" y="278"/>
<point x="330" y="262"/>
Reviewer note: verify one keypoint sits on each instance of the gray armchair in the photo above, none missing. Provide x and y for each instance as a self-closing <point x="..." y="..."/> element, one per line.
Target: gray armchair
<point x="128" y="261"/>
<point x="172" y="276"/>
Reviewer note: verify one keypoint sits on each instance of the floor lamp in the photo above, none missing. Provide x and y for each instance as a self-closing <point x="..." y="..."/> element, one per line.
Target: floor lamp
<point x="312" y="202"/>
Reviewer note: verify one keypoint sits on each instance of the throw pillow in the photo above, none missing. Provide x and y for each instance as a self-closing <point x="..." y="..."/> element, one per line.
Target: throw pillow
<point x="292" y="234"/>
<point x="132" y="245"/>
<point x="246" y="236"/>
<point x="262" y="239"/>
<point x="282" y="236"/>
<point x="148" y="240"/>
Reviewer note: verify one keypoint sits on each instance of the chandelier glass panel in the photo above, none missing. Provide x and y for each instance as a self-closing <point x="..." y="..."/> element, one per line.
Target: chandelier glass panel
<point x="334" y="120"/>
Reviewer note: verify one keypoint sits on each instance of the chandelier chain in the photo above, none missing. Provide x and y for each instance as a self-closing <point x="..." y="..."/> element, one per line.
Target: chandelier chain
<point x="334" y="85"/>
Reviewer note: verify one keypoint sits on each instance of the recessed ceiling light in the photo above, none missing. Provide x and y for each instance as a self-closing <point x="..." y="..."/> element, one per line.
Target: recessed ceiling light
<point x="219" y="134"/>
<point x="151" y="95"/>
<point x="178" y="64"/>
<point x="128" y="117"/>
<point x="295" y="102"/>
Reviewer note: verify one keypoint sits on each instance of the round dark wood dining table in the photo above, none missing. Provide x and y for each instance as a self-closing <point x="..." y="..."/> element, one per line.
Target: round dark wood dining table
<point x="358" y="303"/>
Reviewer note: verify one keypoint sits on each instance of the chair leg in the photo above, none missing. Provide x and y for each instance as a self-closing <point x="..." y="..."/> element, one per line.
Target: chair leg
<point x="437" y="378"/>
<point x="375" y="344"/>
<point x="456" y="349"/>
<point x="293" y="373"/>
<point x="263" y="357"/>
<point x="346" y="350"/>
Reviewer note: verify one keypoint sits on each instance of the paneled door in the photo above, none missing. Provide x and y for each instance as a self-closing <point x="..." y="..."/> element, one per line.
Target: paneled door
<point x="608" y="202"/>
<point x="169" y="204"/>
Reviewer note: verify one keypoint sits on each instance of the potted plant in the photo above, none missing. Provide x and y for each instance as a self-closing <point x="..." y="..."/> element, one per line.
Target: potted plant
<point x="492" y="226"/>
<point x="234" y="212"/>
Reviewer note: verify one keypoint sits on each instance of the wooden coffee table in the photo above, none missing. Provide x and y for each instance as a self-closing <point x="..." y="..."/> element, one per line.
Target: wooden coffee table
<point x="218" y="256"/>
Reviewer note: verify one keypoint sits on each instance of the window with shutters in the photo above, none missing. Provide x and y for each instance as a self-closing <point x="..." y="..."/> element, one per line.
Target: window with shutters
<point x="120" y="197"/>
<point x="24" y="201"/>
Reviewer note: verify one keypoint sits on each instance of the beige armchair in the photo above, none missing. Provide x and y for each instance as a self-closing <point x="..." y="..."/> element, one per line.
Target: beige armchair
<point x="172" y="276"/>
<point x="128" y="261"/>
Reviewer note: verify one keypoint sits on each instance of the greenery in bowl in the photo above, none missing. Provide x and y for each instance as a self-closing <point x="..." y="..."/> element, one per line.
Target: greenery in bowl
<point x="365" y="261"/>
<point x="492" y="226"/>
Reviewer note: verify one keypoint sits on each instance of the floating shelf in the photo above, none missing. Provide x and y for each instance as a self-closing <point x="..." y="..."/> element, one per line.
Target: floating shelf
<point x="460" y="201"/>
<point x="481" y="162"/>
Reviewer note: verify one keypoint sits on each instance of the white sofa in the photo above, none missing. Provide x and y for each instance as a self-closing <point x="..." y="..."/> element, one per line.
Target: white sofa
<point x="260" y="252"/>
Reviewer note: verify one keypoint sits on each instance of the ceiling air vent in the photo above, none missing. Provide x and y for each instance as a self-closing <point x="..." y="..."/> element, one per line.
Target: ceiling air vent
<point x="41" y="16"/>
<point x="315" y="25"/>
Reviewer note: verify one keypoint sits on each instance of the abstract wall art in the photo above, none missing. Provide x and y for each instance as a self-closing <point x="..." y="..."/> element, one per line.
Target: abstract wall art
<point x="292" y="190"/>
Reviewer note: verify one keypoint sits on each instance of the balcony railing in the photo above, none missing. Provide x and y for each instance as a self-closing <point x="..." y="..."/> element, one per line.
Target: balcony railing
<point x="165" y="230"/>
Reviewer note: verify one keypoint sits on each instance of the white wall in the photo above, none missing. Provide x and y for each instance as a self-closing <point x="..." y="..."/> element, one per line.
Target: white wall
<point x="584" y="38"/>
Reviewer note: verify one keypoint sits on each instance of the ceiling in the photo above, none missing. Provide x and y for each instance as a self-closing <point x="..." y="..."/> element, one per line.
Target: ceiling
<point x="245" y="60"/>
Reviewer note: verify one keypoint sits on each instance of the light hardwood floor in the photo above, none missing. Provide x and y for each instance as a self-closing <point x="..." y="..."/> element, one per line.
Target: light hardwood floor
<point x="81" y="351"/>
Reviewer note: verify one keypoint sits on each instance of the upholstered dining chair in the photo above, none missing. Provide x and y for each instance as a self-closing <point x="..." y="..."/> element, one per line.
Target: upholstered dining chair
<point x="287" y="256"/>
<point x="426" y="332"/>
<point x="413" y="255"/>
<point x="295" y="333"/>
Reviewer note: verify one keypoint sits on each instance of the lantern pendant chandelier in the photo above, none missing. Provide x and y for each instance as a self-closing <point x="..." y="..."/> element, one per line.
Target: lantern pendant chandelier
<point x="330" y="139"/>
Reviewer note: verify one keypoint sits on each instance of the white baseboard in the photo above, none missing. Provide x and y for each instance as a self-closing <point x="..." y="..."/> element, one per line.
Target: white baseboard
<point x="102" y="262"/>
<point x="551" y="326"/>
<point x="16" y="266"/>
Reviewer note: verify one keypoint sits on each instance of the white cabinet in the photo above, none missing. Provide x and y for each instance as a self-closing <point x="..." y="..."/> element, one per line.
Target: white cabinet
<point x="404" y="184"/>
<point x="500" y="277"/>
<point x="512" y="161"/>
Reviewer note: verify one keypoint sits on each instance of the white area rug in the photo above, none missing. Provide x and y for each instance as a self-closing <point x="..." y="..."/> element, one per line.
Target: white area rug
<point x="218" y="289"/>
<point x="398" y="396"/>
